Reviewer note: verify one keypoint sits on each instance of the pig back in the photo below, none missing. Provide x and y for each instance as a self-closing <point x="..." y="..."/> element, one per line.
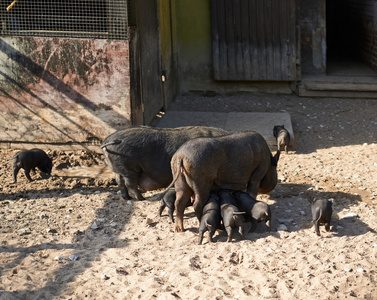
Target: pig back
<point x="228" y="161"/>
<point x="149" y="150"/>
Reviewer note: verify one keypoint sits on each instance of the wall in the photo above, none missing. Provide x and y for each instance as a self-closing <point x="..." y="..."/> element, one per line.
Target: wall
<point x="55" y="90"/>
<point x="193" y="42"/>
<point x="312" y="23"/>
<point x="169" y="66"/>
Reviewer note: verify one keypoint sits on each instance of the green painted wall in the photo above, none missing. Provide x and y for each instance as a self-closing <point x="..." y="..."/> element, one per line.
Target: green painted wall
<point x="193" y="37"/>
<point x="192" y="33"/>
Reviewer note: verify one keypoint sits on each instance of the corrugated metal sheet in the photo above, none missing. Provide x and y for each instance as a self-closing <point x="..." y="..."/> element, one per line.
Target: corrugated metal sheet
<point x="254" y="39"/>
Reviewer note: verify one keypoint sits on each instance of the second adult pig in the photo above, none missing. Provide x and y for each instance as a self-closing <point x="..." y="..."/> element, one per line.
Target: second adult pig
<point x="140" y="156"/>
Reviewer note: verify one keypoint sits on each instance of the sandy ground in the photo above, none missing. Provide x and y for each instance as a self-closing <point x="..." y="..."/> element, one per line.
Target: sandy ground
<point x="72" y="237"/>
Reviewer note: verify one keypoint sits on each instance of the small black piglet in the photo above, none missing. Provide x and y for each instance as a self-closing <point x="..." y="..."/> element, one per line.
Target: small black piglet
<point x="321" y="212"/>
<point x="211" y="218"/>
<point x="29" y="160"/>
<point x="282" y="136"/>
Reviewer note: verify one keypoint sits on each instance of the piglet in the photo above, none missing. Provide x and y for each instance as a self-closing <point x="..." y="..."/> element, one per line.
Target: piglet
<point x="282" y="136"/>
<point x="29" y="160"/>
<point x="211" y="218"/>
<point x="255" y="211"/>
<point x="230" y="214"/>
<point x="169" y="201"/>
<point x="321" y="212"/>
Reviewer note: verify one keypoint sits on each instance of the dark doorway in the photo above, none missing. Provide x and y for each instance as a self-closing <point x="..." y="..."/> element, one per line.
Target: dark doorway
<point x="345" y="40"/>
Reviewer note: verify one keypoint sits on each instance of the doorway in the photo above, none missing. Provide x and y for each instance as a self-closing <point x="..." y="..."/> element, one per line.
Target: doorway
<point x="345" y="39"/>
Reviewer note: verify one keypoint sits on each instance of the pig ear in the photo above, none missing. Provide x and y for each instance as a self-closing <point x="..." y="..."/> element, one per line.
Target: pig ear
<point x="275" y="159"/>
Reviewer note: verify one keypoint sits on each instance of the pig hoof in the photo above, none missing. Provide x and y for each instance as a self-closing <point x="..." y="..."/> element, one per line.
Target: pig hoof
<point x="178" y="229"/>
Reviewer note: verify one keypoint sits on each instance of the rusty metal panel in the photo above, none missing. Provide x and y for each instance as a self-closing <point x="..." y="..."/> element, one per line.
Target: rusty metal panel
<point x="55" y="90"/>
<point x="254" y="39"/>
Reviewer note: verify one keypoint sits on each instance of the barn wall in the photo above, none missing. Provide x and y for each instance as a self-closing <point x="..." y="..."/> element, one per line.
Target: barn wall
<point x="312" y="23"/>
<point x="194" y="54"/>
<point x="55" y="90"/>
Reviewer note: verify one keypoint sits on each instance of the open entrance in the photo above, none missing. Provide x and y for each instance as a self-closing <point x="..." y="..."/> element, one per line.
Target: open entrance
<point x="348" y="39"/>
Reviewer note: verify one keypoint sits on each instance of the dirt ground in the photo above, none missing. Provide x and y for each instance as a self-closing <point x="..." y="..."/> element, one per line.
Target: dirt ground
<point x="71" y="236"/>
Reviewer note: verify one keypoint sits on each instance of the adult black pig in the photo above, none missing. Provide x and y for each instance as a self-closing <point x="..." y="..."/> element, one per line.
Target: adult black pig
<point x="238" y="161"/>
<point x="29" y="160"/>
<point x="140" y="156"/>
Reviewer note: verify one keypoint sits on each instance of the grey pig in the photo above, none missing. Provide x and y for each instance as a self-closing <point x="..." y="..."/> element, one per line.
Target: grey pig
<point x="321" y="212"/>
<point x="237" y="161"/>
<point x="282" y="136"/>
<point x="29" y="160"/>
<point x="211" y="218"/>
<point x="255" y="211"/>
<point x="230" y="214"/>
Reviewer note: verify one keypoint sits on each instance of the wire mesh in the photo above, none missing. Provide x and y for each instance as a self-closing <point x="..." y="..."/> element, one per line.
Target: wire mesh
<point x="65" y="18"/>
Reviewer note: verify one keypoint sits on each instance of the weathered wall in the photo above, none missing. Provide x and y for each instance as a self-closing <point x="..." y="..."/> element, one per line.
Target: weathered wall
<point x="169" y="66"/>
<point x="193" y="41"/>
<point x="55" y="90"/>
<point x="312" y="23"/>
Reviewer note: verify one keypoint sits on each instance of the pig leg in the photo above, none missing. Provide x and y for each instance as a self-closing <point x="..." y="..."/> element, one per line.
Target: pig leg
<point x="268" y="225"/>
<point x="133" y="191"/>
<point x="180" y="205"/>
<point x="254" y="225"/>
<point x="119" y="179"/>
<point x="228" y="230"/>
<point x="316" y="225"/>
<point x="200" y="240"/>
<point x="171" y="211"/>
<point x="27" y="173"/>
<point x="240" y="230"/>
<point x="210" y="235"/>
<point x="15" y="172"/>
<point x="327" y="225"/>
<point x="162" y="207"/>
<point x="128" y="187"/>
<point x="201" y="196"/>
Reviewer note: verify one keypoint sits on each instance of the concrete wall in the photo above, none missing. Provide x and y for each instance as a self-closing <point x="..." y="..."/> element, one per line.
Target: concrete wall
<point x="193" y="41"/>
<point x="312" y="23"/>
<point x="55" y="90"/>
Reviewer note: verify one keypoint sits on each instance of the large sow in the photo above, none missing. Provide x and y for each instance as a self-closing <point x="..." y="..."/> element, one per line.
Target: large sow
<point x="239" y="161"/>
<point x="140" y="156"/>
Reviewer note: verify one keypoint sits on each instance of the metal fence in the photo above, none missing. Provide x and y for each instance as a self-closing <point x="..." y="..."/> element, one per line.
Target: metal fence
<point x="102" y="19"/>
